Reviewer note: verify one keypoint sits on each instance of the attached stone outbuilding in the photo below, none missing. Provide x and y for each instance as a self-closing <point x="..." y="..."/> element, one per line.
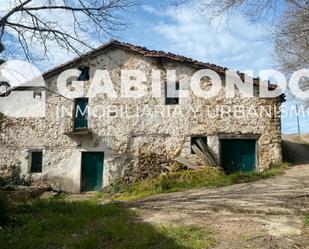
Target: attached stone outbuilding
<point x="81" y="153"/>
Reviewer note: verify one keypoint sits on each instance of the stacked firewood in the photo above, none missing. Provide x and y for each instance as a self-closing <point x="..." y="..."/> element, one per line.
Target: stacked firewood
<point x="152" y="165"/>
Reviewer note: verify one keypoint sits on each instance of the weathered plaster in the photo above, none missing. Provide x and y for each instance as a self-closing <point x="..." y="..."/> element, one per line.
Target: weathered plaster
<point x="125" y="141"/>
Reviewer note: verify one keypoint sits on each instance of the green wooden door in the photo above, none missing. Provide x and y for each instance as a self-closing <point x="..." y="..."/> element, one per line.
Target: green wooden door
<point x="238" y="155"/>
<point x="92" y="171"/>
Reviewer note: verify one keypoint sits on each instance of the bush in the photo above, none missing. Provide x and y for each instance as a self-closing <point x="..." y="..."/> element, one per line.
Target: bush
<point x="188" y="179"/>
<point x="15" y="177"/>
<point x="119" y="186"/>
<point x="4" y="209"/>
<point x="3" y="182"/>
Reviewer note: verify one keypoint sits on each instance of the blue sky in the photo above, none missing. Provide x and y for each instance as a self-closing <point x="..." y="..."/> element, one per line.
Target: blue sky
<point x="185" y="32"/>
<point x="238" y="44"/>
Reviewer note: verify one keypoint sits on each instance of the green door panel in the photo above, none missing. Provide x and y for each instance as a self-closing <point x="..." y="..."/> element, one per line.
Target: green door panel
<point x="92" y="171"/>
<point x="238" y="155"/>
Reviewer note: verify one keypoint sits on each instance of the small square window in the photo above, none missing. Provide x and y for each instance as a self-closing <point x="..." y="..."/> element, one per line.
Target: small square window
<point x="84" y="76"/>
<point x="194" y="142"/>
<point x="36" y="162"/>
<point x="171" y="100"/>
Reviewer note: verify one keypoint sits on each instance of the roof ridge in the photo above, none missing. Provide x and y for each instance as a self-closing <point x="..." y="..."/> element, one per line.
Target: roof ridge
<point x="142" y="50"/>
<point x="145" y="52"/>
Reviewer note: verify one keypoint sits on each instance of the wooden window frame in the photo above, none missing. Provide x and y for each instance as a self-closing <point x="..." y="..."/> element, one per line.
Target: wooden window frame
<point x="31" y="169"/>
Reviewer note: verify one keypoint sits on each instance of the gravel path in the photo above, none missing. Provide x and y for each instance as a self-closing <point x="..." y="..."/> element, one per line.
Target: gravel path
<point x="265" y="214"/>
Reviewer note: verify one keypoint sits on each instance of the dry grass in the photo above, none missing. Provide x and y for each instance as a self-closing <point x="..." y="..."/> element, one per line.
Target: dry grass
<point x="173" y="182"/>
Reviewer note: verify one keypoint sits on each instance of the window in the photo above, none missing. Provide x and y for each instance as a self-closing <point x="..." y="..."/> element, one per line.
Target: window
<point x="194" y="142"/>
<point x="36" y="162"/>
<point x="81" y="114"/>
<point x="171" y="100"/>
<point x="84" y="73"/>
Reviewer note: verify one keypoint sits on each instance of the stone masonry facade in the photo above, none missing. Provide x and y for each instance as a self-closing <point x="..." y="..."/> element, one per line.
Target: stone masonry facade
<point x="128" y="141"/>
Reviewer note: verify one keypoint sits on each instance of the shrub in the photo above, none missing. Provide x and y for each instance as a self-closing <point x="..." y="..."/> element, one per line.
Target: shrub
<point x="15" y="178"/>
<point x="3" y="182"/>
<point x="4" y="209"/>
<point x="119" y="186"/>
<point x="187" y="179"/>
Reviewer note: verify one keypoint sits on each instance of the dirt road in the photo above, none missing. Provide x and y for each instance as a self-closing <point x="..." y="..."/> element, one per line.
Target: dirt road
<point x="295" y="149"/>
<point x="264" y="214"/>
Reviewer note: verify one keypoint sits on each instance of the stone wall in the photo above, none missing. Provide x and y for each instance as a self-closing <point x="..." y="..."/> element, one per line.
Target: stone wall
<point x="131" y="143"/>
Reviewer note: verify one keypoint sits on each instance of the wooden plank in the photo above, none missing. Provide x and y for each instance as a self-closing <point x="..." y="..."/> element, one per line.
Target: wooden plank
<point x="202" y="156"/>
<point x="202" y="145"/>
<point x="186" y="163"/>
<point x="205" y="150"/>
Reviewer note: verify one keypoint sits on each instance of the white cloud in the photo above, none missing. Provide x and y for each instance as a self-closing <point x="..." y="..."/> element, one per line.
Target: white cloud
<point x="238" y="45"/>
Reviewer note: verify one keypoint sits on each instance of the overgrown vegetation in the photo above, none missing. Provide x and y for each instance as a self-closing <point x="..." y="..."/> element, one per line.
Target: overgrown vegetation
<point x="172" y="182"/>
<point x="15" y="178"/>
<point x="58" y="224"/>
<point x="307" y="219"/>
<point x="4" y="209"/>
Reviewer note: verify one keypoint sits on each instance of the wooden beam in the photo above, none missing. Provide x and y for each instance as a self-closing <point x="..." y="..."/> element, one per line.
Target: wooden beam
<point x="186" y="163"/>
<point x="205" y="150"/>
<point x="202" y="156"/>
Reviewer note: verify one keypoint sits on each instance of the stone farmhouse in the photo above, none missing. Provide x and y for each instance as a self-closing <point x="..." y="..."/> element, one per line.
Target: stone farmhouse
<point x="77" y="153"/>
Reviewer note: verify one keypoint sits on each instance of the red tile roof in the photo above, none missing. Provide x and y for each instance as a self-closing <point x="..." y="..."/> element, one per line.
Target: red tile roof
<point x="145" y="52"/>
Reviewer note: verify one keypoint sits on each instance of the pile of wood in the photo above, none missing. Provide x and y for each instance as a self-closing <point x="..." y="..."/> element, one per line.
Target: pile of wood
<point x="203" y="153"/>
<point x="152" y="165"/>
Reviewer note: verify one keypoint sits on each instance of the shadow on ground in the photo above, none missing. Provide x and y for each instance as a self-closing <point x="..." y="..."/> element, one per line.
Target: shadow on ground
<point x="264" y="214"/>
<point x="58" y="224"/>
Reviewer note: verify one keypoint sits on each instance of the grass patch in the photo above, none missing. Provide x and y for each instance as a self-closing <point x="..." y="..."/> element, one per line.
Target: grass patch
<point x="173" y="182"/>
<point x="4" y="209"/>
<point x="57" y="224"/>
<point x="307" y="219"/>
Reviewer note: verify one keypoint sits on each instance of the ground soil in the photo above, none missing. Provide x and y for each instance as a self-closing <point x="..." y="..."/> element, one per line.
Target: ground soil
<point x="264" y="214"/>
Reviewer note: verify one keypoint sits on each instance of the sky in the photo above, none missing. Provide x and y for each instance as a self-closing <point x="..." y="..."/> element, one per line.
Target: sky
<point x="187" y="33"/>
<point x="238" y="44"/>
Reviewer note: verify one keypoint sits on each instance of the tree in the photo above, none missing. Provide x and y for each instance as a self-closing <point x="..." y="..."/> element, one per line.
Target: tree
<point x="292" y="40"/>
<point x="290" y="19"/>
<point x="33" y="24"/>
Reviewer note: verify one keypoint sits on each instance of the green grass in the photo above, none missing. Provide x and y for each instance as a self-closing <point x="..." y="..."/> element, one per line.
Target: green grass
<point x="4" y="208"/>
<point x="57" y="224"/>
<point x="307" y="219"/>
<point x="173" y="182"/>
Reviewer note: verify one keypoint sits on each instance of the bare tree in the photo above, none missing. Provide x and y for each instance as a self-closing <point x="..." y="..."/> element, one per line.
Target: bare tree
<point x="34" y="24"/>
<point x="290" y="19"/>
<point x="292" y="40"/>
